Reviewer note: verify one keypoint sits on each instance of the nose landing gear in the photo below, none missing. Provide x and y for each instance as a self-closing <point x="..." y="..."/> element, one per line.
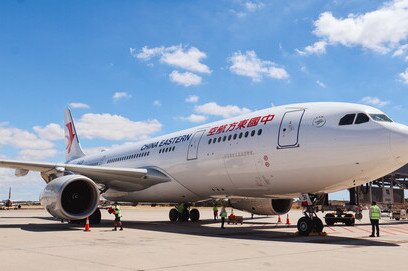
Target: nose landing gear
<point x="310" y="222"/>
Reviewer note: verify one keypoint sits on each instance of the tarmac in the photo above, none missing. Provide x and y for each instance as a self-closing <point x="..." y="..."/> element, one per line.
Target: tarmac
<point x="31" y="240"/>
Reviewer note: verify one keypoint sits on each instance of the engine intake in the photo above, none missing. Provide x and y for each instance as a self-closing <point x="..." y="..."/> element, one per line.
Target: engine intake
<point x="263" y="206"/>
<point x="71" y="197"/>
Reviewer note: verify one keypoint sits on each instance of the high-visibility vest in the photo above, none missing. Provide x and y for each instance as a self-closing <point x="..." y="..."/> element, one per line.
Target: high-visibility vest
<point x="215" y="208"/>
<point x="224" y="213"/>
<point x="375" y="212"/>
<point x="117" y="212"/>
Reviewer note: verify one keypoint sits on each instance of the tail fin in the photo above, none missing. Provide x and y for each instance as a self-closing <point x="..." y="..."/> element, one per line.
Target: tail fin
<point x="73" y="148"/>
<point x="9" y="194"/>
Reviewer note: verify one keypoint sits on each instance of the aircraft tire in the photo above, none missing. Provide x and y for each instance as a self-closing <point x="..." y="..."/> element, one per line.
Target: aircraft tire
<point x="305" y="226"/>
<point x="173" y="215"/>
<point x="95" y="218"/>
<point x="318" y="224"/>
<point x="194" y="215"/>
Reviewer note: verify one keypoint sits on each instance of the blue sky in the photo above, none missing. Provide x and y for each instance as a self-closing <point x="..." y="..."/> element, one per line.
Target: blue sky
<point x="136" y="69"/>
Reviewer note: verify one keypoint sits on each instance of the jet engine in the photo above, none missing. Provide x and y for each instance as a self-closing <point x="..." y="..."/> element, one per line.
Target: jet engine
<point x="71" y="197"/>
<point x="263" y="206"/>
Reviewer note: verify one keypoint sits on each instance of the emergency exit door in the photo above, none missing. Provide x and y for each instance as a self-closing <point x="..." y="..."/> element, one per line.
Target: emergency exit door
<point x="289" y="129"/>
<point x="192" y="152"/>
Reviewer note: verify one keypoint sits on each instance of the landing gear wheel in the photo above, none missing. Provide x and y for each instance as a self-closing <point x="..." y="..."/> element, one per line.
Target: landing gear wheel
<point x="305" y="226"/>
<point x="95" y="218"/>
<point x="194" y="215"/>
<point x="184" y="216"/>
<point x="318" y="224"/>
<point x="173" y="215"/>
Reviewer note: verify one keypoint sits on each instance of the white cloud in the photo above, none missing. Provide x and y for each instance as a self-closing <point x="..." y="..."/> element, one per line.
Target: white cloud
<point x="320" y="84"/>
<point x="192" y="99"/>
<point x="404" y="76"/>
<point x="194" y="118"/>
<point x="50" y="132"/>
<point x="318" y="48"/>
<point x="157" y="103"/>
<point x="115" y="127"/>
<point x="186" y="79"/>
<point x="374" y="101"/>
<point x="381" y="30"/>
<point x="21" y="139"/>
<point x="401" y="50"/>
<point x="253" y="6"/>
<point x="218" y="110"/>
<point x="250" y="65"/>
<point x="177" y="56"/>
<point x="37" y="155"/>
<point x="79" y="106"/>
<point x="121" y="95"/>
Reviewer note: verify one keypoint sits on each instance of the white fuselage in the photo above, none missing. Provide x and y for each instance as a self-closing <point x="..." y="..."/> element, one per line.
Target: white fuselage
<point x="279" y="152"/>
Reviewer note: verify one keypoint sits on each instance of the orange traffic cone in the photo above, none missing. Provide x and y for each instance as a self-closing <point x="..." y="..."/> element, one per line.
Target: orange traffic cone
<point x="87" y="227"/>
<point x="287" y="220"/>
<point x="279" y="219"/>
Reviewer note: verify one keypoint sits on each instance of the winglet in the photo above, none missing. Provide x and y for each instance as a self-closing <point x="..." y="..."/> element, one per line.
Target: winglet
<point x="73" y="148"/>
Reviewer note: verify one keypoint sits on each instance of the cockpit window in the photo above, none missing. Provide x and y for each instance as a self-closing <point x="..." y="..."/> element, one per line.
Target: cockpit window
<point x="380" y="117"/>
<point x="347" y="119"/>
<point x="362" y="118"/>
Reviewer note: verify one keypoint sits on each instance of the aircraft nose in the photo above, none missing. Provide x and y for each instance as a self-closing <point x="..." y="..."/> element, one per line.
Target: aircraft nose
<point x="399" y="143"/>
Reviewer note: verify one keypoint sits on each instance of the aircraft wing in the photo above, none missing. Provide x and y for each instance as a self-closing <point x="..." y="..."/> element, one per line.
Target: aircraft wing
<point x="121" y="179"/>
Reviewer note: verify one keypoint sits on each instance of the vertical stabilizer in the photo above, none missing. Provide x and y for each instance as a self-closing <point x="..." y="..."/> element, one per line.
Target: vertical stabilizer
<point x="9" y="194"/>
<point x="72" y="148"/>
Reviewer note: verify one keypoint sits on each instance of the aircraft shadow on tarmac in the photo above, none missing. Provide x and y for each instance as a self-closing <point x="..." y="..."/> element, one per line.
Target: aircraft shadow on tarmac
<point x="251" y="231"/>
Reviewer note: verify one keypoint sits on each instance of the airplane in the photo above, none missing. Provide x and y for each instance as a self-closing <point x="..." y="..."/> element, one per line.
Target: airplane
<point x="259" y="161"/>
<point x="8" y="203"/>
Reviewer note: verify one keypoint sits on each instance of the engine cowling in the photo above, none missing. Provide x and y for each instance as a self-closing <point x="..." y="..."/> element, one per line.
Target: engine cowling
<point x="263" y="206"/>
<point x="71" y="197"/>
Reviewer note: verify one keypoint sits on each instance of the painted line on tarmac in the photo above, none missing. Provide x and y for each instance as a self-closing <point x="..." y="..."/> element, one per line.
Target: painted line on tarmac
<point x="347" y="229"/>
<point x="398" y="229"/>
<point x="332" y="229"/>
<point x="363" y="229"/>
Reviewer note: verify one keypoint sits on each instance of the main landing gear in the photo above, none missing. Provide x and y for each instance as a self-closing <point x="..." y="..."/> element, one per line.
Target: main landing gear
<point x="183" y="213"/>
<point x="310" y="222"/>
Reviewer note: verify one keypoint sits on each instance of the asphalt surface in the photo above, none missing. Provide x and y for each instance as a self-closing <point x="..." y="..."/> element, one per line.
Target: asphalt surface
<point x="32" y="240"/>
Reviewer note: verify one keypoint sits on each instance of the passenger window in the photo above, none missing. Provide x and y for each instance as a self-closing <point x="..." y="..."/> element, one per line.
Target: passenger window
<point x="246" y="134"/>
<point x="259" y="132"/>
<point x="347" y="119"/>
<point x="214" y="140"/>
<point x="229" y="137"/>
<point x="219" y="139"/>
<point x="253" y="133"/>
<point x="240" y="135"/>
<point x="174" y="147"/>
<point x="235" y="136"/>
<point x="362" y="118"/>
<point x="209" y="141"/>
<point x="225" y="138"/>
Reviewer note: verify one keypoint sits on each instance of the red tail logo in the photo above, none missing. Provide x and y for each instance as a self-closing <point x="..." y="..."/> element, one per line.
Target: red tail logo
<point x="71" y="136"/>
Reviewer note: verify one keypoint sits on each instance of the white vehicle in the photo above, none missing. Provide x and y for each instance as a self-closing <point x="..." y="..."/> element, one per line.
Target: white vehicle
<point x="260" y="161"/>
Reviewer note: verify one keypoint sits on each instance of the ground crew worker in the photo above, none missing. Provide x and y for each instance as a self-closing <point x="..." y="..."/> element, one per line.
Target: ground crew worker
<point x="118" y="214"/>
<point x="375" y="214"/>
<point x="215" y="210"/>
<point x="183" y="212"/>
<point x="180" y="208"/>
<point x="223" y="216"/>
